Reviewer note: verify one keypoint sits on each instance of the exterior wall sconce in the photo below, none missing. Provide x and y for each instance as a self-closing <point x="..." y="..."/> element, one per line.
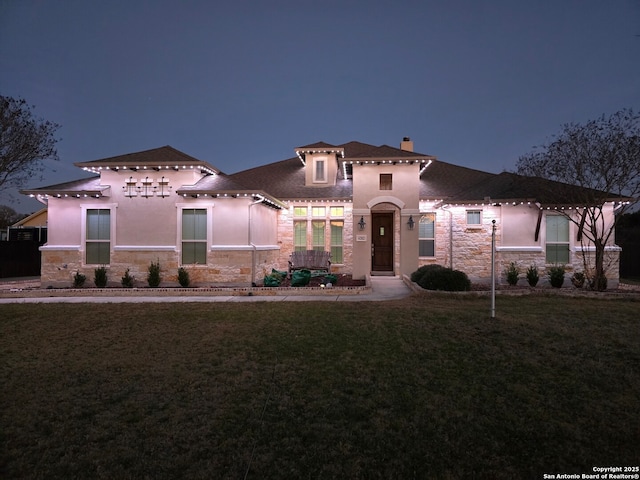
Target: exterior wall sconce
<point x="411" y="223"/>
<point x="362" y="223"/>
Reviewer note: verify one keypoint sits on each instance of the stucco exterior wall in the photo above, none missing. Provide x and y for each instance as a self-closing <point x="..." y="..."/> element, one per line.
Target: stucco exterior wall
<point x="64" y="222"/>
<point x="148" y="229"/>
<point x="366" y="184"/>
<point x="402" y="199"/>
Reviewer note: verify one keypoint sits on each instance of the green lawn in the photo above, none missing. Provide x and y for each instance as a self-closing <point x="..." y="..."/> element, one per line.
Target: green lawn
<point x="427" y="387"/>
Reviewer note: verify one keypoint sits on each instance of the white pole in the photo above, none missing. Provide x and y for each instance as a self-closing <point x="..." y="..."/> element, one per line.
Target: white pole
<point x="493" y="269"/>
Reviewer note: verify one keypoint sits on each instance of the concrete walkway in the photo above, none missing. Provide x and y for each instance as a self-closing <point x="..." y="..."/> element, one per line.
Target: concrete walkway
<point x="382" y="288"/>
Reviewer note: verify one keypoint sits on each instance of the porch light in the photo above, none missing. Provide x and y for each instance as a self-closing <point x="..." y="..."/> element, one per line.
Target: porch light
<point x="362" y="223"/>
<point x="411" y="223"/>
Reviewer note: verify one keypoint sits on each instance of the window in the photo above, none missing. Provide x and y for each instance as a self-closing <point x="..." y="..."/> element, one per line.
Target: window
<point x="337" y="227"/>
<point x="194" y="236"/>
<point x="336" y="212"/>
<point x="98" y="242"/>
<point x="474" y="217"/>
<point x="386" y="181"/>
<point x="320" y="170"/>
<point x="299" y="236"/>
<point x="317" y="234"/>
<point x="318" y="211"/>
<point x="315" y="231"/>
<point x="426" y="235"/>
<point x="557" y="239"/>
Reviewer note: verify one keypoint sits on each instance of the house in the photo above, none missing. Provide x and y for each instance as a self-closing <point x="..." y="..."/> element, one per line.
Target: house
<point x="379" y="210"/>
<point x="32" y="227"/>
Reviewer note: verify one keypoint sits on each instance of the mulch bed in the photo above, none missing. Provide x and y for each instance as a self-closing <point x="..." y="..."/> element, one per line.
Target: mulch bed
<point x="342" y="281"/>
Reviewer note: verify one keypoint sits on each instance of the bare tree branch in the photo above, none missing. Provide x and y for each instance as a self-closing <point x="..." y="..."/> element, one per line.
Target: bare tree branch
<point x="602" y="157"/>
<point x="24" y="142"/>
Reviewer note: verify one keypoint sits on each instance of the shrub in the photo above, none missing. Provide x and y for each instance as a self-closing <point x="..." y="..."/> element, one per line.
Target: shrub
<point x="577" y="279"/>
<point x="423" y="270"/>
<point x="601" y="286"/>
<point x="154" y="278"/>
<point x="78" y="279"/>
<point x="556" y="276"/>
<point x="532" y="276"/>
<point x="127" y="280"/>
<point x="100" y="277"/>
<point x="444" y="279"/>
<point x="512" y="272"/>
<point x="183" y="277"/>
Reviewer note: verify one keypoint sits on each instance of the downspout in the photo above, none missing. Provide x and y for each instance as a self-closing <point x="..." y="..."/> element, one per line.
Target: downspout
<point x="446" y="209"/>
<point x="250" y="241"/>
<point x="45" y="202"/>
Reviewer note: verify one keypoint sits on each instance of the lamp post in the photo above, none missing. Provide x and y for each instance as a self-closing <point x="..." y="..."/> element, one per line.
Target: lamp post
<point x="493" y="269"/>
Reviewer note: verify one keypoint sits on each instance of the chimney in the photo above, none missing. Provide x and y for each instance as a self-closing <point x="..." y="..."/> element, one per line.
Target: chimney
<point x="406" y="144"/>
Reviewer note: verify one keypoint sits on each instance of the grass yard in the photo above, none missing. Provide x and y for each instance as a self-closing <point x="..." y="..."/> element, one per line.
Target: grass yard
<point x="427" y="387"/>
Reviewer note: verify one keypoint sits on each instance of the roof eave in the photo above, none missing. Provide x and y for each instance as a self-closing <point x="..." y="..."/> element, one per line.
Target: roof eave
<point x="99" y="165"/>
<point x="254" y="194"/>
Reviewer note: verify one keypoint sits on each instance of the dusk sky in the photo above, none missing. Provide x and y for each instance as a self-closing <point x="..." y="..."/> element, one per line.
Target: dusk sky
<point x="242" y="83"/>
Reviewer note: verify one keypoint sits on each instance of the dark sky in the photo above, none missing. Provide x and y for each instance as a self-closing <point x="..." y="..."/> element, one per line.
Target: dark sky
<point x="242" y="83"/>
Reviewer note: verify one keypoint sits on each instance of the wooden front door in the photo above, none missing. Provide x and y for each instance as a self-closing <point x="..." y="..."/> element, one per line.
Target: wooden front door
<point x="382" y="242"/>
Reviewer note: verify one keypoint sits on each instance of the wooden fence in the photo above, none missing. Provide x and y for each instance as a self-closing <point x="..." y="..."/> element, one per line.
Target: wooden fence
<point x="19" y="259"/>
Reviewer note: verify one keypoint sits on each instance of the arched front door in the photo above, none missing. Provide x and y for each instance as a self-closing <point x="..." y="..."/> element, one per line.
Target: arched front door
<point x="382" y="242"/>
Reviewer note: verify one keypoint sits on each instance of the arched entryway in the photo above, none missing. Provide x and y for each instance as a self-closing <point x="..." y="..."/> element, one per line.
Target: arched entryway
<point x="382" y="242"/>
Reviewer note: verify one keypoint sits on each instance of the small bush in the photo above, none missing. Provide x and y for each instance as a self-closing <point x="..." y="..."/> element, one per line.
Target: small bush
<point x="556" y="276"/>
<point x="512" y="272"/>
<point x="532" y="276"/>
<point x="183" y="277"/>
<point x="423" y="270"/>
<point x="444" y="279"/>
<point x="601" y="284"/>
<point x="154" y="278"/>
<point x="100" y="277"/>
<point x="127" y="280"/>
<point x="577" y="279"/>
<point x="78" y="279"/>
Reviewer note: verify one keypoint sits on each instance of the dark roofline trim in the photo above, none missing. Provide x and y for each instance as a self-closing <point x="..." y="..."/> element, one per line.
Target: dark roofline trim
<point x="255" y="195"/>
<point x="204" y="167"/>
<point x="519" y="201"/>
<point x="65" y="194"/>
<point x="302" y="151"/>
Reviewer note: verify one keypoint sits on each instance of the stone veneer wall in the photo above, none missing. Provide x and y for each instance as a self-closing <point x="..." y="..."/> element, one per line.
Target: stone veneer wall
<point x="286" y="240"/>
<point x="224" y="267"/>
<point x="470" y="250"/>
<point x="524" y="260"/>
<point x="463" y="247"/>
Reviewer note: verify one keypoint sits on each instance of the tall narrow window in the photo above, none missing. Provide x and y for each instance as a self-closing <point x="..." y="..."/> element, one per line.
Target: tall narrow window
<point x="557" y="239"/>
<point x="426" y="235"/>
<point x="300" y="236"/>
<point x="98" y="242"/>
<point x="194" y="236"/>
<point x="337" y="227"/>
<point x="386" y="181"/>
<point x="320" y="170"/>
<point x="318" y="229"/>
